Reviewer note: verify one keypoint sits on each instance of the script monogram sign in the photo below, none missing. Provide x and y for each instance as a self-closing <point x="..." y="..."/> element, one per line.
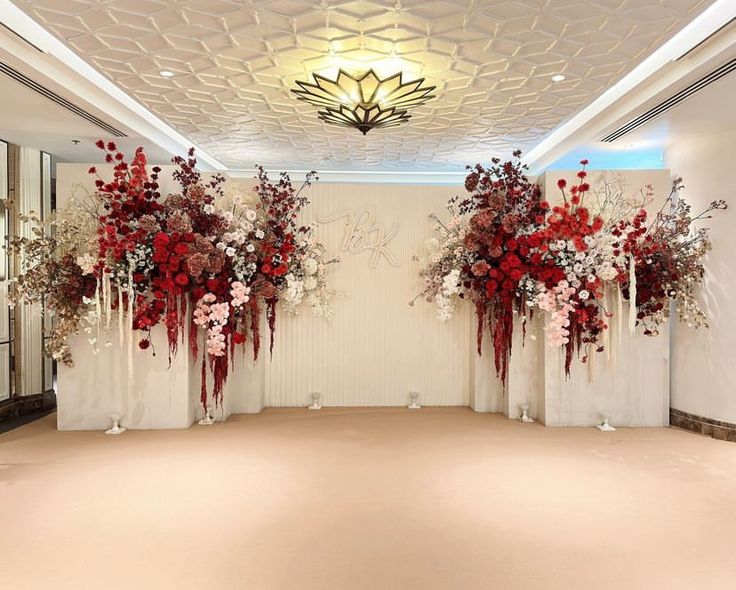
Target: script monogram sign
<point x="363" y="233"/>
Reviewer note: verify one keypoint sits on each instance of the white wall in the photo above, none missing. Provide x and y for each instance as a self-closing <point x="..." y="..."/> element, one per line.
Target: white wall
<point x="703" y="361"/>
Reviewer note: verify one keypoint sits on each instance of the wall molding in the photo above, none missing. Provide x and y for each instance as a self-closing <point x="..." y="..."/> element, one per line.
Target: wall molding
<point x="717" y="429"/>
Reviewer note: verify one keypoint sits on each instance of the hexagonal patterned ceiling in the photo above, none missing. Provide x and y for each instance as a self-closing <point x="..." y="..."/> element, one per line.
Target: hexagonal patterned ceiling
<point x="235" y="62"/>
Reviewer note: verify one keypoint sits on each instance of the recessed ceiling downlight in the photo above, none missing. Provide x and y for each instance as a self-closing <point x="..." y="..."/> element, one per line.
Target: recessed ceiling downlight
<point x="558" y="78"/>
<point x="166" y="74"/>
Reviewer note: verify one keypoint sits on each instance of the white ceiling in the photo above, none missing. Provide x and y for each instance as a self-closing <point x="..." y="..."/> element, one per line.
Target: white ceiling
<point x="30" y="119"/>
<point x="708" y="112"/>
<point x="236" y="61"/>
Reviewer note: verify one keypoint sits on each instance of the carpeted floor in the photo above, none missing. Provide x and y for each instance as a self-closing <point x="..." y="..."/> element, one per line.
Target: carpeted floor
<point x="367" y="499"/>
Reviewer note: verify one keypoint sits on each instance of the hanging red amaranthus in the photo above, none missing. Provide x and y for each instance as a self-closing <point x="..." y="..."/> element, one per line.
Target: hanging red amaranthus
<point x="500" y="203"/>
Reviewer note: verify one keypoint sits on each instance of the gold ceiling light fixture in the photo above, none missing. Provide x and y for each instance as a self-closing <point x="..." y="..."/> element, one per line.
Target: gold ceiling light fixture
<point x="364" y="101"/>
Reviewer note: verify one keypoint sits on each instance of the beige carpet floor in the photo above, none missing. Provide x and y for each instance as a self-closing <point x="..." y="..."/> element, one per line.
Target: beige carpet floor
<point x="372" y="499"/>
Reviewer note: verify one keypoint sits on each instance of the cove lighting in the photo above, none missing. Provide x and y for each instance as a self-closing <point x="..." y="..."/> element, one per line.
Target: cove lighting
<point x="166" y="74"/>
<point x="558" y="78"/>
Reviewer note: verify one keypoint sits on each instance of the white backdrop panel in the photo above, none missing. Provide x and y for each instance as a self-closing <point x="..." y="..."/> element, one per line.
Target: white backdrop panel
<point x="376" y="348"/>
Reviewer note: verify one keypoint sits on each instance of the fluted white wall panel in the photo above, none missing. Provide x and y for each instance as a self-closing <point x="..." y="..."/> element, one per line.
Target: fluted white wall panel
<point x="375" y="349"/>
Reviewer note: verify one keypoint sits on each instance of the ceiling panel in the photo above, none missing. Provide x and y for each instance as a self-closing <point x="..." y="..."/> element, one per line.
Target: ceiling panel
<point x="236" y="61"/>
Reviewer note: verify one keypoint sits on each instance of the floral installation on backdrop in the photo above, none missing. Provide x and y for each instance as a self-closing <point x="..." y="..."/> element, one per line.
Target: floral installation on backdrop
<point x="204" y="258"/>
<point x="511" y="253"/>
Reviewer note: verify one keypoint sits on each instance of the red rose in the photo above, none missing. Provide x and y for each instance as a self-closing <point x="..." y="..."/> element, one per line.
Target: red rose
<point x="182" y="279"/>
<point x="144" y="344"/>
<point x="160" y="240"/>
<point x="181" y="248"/>
<point x="513" y="260"/>
<point x="584" y="162"/>
<point x="561" y="183"/>
<point x="238" y="338"/>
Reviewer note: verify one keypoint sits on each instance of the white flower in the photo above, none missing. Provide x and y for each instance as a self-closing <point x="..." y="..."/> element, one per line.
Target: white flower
<point x="310" y="266"/>
<point x="607" y="273"/>
<point x="583" y="294"/>
<point x="310" y="283"/>
<point x="230" y="251"/>
<point x="432" y="244"/>
<point x="250" y="248"/>
<point x="259" y="234"/>
<point x="250" y="215"/>
<point x="86" y="263"/>
<point x="209" y="208"/>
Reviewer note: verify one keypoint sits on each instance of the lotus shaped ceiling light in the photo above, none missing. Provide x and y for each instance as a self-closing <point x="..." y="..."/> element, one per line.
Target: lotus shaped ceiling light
<point x="364" y="101"/>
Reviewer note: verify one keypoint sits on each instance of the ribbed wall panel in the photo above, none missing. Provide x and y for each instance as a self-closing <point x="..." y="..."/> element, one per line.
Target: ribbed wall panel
<point x="376" y="348"/>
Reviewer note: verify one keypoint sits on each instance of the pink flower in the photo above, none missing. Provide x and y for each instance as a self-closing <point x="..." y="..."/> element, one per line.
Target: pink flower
<point x="239" y="292"/>
<point x="480" y="268"/>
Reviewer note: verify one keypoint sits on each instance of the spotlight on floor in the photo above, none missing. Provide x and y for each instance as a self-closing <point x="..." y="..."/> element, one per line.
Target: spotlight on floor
<point x="116" y="428"/>
<point x="524" y="414"/>
<point x="605" y="426"/>
<point x="316" y="404"/>
<point x="207" y="420"/>
<point x="414" y="401"/>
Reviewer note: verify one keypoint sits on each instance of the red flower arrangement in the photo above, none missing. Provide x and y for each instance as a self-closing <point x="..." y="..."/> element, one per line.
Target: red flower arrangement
<point x="177" y="260"/>
<point x="510" y="253"/>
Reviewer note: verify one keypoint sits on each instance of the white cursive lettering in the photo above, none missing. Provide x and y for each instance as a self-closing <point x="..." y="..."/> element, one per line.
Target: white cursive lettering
<point x="363" y="233"/>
